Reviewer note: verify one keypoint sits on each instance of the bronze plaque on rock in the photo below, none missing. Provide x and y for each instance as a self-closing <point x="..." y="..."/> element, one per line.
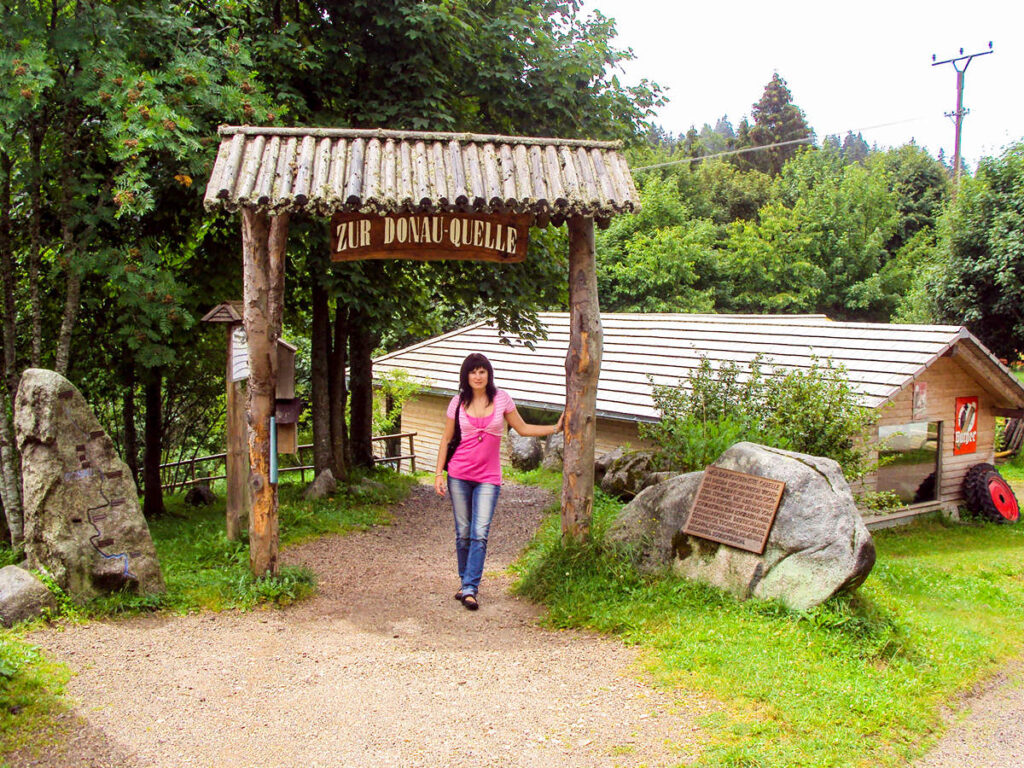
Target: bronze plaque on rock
<point x="735" y="508"/>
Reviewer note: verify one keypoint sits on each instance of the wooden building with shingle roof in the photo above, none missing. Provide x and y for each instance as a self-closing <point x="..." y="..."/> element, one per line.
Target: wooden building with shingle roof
<point x="912" y="374"/>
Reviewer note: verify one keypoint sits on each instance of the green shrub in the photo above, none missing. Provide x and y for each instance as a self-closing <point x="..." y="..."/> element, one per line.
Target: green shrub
<point x="820" y="414"/>
<point x="879" y="501"/>
<point x="812" y="411"/>
<point x="394" y="388"/>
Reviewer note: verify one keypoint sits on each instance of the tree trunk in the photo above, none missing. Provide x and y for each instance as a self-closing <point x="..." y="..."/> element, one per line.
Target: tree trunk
<point x="582" y="369"/>
<point x="10" y="475"/>
<point x="394" y="445"/>
<point x="10" y="465"/>
<point x="36" y="136"/>
<point x="131" y="435"/>
<point x="340" y="454"/>
<point x="152" y="493"/>
<point x="263" y="248"/>
<point x="74" y="279"/>
<point x="10" y="318"/>
<point x="319" y="379"/>
<point x="361" y="345"/>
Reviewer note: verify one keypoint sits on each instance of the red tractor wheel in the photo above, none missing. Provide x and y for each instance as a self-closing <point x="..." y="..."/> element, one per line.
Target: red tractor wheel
<point x="989" y="495"/>
<point x="1001" y="497"/>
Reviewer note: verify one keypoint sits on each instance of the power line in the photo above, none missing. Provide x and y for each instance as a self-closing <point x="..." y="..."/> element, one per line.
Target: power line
<point x="779" y="144"/>
<point x="808" y="140"/>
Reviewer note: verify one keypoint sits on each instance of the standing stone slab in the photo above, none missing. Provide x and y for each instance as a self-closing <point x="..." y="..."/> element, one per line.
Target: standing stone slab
<point x="83" y="523"/>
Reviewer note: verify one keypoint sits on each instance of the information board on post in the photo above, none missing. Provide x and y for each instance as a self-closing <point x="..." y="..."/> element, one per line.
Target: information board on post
<point x="735" y="508"/>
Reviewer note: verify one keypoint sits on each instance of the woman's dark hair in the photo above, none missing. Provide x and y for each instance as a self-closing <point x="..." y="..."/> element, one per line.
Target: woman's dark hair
<point x="471" y="363"/>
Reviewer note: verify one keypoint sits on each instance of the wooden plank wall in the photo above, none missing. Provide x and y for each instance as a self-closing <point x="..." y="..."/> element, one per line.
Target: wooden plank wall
<point x="946" y="382"/>
<point x="425" y="415"/>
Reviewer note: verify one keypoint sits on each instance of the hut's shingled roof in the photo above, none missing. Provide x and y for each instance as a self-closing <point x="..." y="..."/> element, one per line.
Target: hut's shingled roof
<point x="326" y="170"/>
<point x="880" y="359"/>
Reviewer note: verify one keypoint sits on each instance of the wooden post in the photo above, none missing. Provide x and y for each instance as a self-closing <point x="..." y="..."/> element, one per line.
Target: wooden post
<point x="263" y="248"/>
<point x="582" y="368"/>
<point x="237" y="460"/>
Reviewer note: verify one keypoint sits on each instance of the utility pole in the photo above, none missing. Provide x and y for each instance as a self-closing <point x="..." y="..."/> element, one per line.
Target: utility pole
<point x="958" y="115"/>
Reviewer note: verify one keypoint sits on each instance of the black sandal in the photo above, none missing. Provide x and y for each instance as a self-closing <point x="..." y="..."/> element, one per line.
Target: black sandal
<point x="470" y="602"/>
<point x="459" y="595"/>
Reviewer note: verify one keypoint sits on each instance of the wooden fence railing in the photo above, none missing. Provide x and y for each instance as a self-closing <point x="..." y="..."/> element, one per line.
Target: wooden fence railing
<point x="183" y="473"/>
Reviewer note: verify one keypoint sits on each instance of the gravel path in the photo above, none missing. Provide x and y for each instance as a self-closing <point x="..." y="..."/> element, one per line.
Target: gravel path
<point x="382" y="668"/>
<point x="987" y="731"/>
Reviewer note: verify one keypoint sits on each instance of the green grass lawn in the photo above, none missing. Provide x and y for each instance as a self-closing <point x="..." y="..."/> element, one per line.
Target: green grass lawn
<point x="856" y="682"/>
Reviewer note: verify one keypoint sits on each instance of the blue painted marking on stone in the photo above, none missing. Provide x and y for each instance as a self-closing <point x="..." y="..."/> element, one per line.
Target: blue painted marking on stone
<point x="79" y="474"/>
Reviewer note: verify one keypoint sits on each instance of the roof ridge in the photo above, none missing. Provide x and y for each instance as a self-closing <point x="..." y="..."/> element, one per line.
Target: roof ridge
<point x="382" y="133"/>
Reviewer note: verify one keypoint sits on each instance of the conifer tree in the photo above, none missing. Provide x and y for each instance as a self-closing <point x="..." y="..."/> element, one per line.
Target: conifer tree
<point x="776" y="119"/>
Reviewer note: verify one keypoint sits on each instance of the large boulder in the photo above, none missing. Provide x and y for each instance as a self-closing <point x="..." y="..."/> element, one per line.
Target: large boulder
<point x="83" y="523"/>
<point x="554" y="448"/>
<point x="604" y="461"/>
<point x="322" y="486"/>
<point x="524" y="453"/>
<point x="200" y="495"/>
<point x="649" y="523"/>
<point x="22" y="596"/>
<point x="818" y="545"/>
<point x="629" y="473"/>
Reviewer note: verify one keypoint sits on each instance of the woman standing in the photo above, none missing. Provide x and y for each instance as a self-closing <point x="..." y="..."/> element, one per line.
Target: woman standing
<point x="474" y="470"/>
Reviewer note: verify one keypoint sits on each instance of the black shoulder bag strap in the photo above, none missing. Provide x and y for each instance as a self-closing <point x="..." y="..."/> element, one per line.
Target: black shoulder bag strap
<point x="456" y="438"/>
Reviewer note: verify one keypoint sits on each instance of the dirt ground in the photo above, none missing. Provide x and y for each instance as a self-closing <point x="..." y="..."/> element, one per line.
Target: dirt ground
<point x="382" y="668"/>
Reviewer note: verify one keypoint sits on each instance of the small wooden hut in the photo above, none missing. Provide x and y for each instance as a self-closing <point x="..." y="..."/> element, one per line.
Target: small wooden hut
<point x="923" y="380"/>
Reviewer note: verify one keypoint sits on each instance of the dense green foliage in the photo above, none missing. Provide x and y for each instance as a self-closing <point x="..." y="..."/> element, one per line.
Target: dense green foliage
<point x="777" y="120"/>
<point x="822" y="235"/>
<point x="811" y="410"/>
<point x="855" y="682"/>
<point x="981" y="281"/>
<point x="108" y="117"/>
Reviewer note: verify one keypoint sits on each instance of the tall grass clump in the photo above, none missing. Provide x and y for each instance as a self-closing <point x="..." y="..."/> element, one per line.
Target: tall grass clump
<point x="858" y="681"/>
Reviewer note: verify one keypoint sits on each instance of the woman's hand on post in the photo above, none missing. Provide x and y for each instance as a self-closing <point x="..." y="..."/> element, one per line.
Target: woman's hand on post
<point x="559" y="425"/>
<point x="439" y="484"/>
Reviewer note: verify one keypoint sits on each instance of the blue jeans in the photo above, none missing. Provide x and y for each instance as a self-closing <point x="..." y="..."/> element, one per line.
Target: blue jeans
<point x="473" y="504"/>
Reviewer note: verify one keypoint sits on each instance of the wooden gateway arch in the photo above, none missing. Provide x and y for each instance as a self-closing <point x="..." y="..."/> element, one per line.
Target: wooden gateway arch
<point x="399" y="194"/>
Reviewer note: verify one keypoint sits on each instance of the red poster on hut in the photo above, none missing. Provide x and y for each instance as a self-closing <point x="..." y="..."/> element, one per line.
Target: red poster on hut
<point x="965" y="426"/>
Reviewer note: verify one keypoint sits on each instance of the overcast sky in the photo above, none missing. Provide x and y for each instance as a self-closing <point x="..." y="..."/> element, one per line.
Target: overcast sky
<point x="851" y="66"/>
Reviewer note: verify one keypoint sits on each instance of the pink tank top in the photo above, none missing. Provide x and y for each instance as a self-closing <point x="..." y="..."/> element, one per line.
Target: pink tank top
<point x="478" y="457"/>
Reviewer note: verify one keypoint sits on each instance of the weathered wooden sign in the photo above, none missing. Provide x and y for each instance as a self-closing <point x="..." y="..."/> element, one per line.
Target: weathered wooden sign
<point x="735" y="508"/>
<point x="430" y="237"/>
